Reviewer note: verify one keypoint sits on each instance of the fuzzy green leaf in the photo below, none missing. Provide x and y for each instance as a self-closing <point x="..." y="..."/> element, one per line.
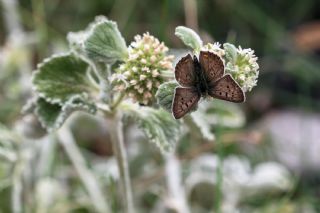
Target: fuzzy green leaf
<point x="61" y="77"/>
<point x="189" y="37"/>
<point x="104" y="42"/>
<point x="159" y="126"/>
<point x="52" y="116"/>
<point x="231" y="52"/>
<point x="165" y="95"/>
<point x="48" y="114"/>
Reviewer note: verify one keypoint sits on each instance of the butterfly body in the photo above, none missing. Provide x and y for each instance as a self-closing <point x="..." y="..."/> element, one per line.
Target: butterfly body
<point x="202" y="78"/>
<point x="201" y="84"/>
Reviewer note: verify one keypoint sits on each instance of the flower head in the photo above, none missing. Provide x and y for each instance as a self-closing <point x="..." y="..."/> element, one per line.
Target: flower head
<point x="215" y="48"/>
<point x="244" y="68"/>
<point x="140" y="75"/>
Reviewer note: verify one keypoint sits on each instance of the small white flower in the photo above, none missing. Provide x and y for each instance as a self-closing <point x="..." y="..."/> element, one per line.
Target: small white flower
<point x="146" y="47"/>
<point x="242" y="77"/>
<point x="142" y="77"/>
<point x="146" y="69"/>
<point x="133" y="82"/>
<point x="134" y="69"/>
<point x="127" y="73"/>
<point x="122" y="67"/>
<point x="149" y="85"/>
<point x="143" y="60"/>
<point x="153" y="58"/>
<point x="155" y="73"/>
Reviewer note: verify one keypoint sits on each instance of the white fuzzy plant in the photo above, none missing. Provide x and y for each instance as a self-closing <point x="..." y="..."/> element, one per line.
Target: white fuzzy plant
<point x="103" y="76"/>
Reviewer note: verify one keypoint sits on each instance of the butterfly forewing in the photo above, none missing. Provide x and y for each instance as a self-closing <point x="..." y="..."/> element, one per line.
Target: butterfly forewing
<point x="185" y="72"/>
<point x="227" y="89"/>
<point x="185" y="99"/>
<point x="212" y="66"/>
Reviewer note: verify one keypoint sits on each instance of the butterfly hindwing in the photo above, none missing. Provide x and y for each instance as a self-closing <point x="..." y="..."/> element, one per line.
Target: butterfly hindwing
<point x="227" y="89"/>
<point x="185" y="99"/>
<point x="185" y="71"/>
<point x="212" y="66"/>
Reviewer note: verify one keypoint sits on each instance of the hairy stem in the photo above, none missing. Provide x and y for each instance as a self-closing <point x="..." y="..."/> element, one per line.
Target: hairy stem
<point x="89" y="181"/>
<point x="115" y="126"/>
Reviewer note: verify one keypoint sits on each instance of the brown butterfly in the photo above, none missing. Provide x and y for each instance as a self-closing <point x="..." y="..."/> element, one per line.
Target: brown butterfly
<point x="199" y="78"/>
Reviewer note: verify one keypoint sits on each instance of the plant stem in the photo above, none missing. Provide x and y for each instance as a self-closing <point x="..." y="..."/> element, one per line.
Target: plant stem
<point x="117" y="101"/>
<point x="174" y="182"/>
<point x="89" y="181"/>
<point x="17" y="188"/>
<point x="219" y="172"/>
<point x="116" y="132"/>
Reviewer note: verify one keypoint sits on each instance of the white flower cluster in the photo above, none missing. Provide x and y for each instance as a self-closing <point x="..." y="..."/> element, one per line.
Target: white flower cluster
<point x="215" y="48"/>
<point x="244" y="69"/>
<point x="140" y="75"/>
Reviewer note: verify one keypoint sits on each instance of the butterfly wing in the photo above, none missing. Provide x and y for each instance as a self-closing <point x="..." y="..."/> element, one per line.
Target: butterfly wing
<point x="185" y="71"/>
<point x="212" y="66"/>
<point x="184" y="100"/>
<point x="227" y="89"/>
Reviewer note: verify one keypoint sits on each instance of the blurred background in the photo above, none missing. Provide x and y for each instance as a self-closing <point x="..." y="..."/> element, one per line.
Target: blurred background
<point x="268" y="148"/>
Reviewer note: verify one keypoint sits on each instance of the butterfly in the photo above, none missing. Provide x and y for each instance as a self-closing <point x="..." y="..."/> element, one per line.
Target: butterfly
<point x="200" y="78"/>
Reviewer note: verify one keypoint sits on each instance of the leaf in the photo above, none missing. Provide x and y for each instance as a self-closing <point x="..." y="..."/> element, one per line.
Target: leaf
<point x="231" y="52"/>
<point x="189" y="37"/>
<point x="201" y="123"/>
<point x="159" y="126"/>
<point x="60" y="77"/>
<point x="104" y="42"/>
<point x="165" y="95"/>
<point x="52" y="116"/>
<point x="48" y="114"/>
<point x="224" y="113"/>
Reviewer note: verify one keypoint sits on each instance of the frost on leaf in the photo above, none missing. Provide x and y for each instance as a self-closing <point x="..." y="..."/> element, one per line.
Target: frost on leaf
<point x="60" y="77"/>
<point x="159" y="127"/>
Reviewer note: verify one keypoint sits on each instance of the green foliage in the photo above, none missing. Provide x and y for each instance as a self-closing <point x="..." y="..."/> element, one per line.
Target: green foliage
<point x="104" y="42"/>
<point x="60" y="77"/>
<point x="6" y="136"/>
<point x="8" y="144"/>
<point x="53" y="115"/>
<point x="158" y="125"/>
<point x="165" y="95"/>
<point x="222" y="113"/>
<point x="189" y="37"/>
<point x="231" y="52"/>
<point x="48" y="114"/>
